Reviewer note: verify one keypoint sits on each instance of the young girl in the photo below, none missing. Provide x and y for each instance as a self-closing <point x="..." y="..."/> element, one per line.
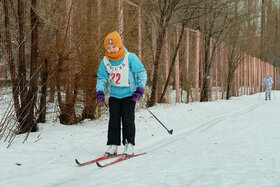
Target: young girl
<point x="126" y="77"/>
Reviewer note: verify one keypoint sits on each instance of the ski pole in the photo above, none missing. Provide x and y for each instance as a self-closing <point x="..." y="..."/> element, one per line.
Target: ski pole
<point x="169" y="131"/>
<point x="259" y="95"/>
<point x="273" y="94"/>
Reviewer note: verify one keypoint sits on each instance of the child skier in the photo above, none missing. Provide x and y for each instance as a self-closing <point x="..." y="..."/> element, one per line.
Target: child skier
<point x="267" y="82"/>
<point x="126" y="77"/>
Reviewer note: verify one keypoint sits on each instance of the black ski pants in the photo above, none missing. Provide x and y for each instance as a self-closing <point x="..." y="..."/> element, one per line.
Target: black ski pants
<point x="122" y="111"/>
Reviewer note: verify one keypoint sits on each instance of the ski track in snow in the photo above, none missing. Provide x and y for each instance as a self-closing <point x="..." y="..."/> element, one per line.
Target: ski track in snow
<point x="201" y="128"/>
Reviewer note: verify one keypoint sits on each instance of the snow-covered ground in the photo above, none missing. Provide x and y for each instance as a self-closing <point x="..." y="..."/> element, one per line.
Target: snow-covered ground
<point x="214" y="144"/>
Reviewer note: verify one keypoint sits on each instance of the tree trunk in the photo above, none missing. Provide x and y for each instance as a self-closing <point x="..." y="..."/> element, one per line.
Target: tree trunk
<point x="26" y="118"/>
<point x="10" y="59"/>
<point x="166" y="9"/>
<point x="160" y="41"/>
<point x="229" y="84"/>
<point x="172" y="63"/>
<point x="67" y="108"/>
<point x="43" y="100"/>
<point x="33" y="65"/>
<point x="88" y="72"/>
<point x="22" y="65"/>
<point x="204" y="93"/>
<point x="262" y="29"/>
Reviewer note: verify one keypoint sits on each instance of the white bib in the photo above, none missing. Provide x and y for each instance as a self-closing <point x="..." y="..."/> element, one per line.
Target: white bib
<point x="118" y="75"/>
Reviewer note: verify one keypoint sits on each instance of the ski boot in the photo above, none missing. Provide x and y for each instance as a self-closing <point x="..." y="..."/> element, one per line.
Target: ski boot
<point x="128" y="150"/>
<point x="112" y="150"/>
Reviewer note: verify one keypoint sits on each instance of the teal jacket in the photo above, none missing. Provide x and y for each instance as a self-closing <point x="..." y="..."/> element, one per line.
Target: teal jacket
<point x="137" y="77"/>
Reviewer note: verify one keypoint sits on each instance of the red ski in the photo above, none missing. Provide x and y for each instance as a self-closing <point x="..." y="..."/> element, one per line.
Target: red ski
<point x="96" y="160"/>
<point x="117" y="161"/>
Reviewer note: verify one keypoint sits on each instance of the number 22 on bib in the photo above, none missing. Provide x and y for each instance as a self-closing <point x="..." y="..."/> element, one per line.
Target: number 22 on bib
<point x="118" y="75"/>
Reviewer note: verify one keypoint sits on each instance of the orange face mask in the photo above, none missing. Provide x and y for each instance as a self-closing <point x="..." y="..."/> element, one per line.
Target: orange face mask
<point x="114" y="38"/>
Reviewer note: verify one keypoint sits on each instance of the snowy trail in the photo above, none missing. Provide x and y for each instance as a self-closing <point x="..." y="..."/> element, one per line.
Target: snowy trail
<point x="226" y="151"/>
<point x="182" y="133"/>
<point x="221" y="143"/>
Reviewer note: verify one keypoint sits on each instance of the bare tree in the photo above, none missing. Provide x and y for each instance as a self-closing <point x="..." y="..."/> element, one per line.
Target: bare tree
<point x="24" y="87"/>
<point x="10" y="57"/>
<point x="216" y="25"/>
<point x="234" y="55"/>
<point x="89" y="71"/>
<point x="43" y="99"/>
<point x="163" y="15"/>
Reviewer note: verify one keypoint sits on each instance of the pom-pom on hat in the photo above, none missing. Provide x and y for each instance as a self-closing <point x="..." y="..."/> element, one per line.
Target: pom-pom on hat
<point x="113" y="38"/>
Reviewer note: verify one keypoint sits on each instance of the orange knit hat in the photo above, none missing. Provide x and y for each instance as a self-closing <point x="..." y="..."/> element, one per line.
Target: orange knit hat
<point x="113" y="38"/>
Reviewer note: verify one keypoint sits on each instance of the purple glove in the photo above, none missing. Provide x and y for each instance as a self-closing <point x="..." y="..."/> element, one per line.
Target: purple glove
<point x="100" y="97"/>
<point x="137" y="94"/>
